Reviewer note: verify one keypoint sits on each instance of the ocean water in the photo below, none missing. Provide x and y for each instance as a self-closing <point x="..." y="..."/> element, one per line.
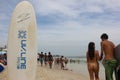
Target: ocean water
<point x="81" y="68"/>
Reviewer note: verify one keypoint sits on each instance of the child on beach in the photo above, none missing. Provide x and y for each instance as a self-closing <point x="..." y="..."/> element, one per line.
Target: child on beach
<point x="92" y="56"/>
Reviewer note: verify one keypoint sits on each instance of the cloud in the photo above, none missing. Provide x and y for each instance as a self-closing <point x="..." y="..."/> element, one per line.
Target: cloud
<point x="72" y="36"/>
<point x="67" y="26"/>
<point x="56" y="7"/>
<point x="74" y="7"/>
<point x="82" y="10"/>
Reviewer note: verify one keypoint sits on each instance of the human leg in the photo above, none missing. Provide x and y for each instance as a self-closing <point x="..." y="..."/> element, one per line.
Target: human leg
<point x="91" y="75"/>
<point x="110" y="68"/>
<point x="90" y="70"/>
<point x="96" y="69"/>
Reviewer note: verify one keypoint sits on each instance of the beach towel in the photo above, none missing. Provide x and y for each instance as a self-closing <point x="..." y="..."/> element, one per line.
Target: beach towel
<point x="110" y="68"/>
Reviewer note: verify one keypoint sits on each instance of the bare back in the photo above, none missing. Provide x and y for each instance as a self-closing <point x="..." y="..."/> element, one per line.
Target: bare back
<point x="107" y="47"/>
<point x="95" y="59"/>
<point x="93" y="64"/>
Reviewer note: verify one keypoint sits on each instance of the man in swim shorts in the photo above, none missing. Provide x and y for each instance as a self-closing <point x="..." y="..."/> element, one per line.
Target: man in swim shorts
<point x="109" y="62"/>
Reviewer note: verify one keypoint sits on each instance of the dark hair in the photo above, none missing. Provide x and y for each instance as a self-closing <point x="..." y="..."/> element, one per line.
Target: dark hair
<point x="49" y="53"/>
<point x="91" y="50"/>
<point x="104" y="36"/>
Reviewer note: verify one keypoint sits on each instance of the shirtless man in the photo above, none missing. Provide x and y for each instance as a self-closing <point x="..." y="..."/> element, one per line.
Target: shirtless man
<point x="50" y="59"/>
<point x="92" y="61"/>
<point x="107" y="49"/>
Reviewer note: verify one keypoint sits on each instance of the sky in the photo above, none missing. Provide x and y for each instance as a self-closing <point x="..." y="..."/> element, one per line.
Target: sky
<point x="65" y="27"/>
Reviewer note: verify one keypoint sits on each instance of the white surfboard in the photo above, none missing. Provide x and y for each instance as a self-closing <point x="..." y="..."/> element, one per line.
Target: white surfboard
<point x="22" y="43"/>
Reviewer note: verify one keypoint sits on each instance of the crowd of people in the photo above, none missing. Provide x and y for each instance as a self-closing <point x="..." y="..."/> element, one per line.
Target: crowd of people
<point x="48" y="59"/>
<point x="45" y="58"/>
<point x="107" y="56"/>
<point x="62" y="61"/>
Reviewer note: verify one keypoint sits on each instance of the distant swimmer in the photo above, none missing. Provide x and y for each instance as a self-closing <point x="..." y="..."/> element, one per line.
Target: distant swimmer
<point x="109" y="62"/>
<point x="92" y="56"/>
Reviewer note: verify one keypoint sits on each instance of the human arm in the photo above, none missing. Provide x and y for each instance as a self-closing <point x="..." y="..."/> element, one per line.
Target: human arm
<point x="87" y="56"/>
<point x="97" y="55"/>
<point x="101" y="55"/>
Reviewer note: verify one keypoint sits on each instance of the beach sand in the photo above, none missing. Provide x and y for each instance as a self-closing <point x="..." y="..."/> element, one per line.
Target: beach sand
<point x="45" y="73"/>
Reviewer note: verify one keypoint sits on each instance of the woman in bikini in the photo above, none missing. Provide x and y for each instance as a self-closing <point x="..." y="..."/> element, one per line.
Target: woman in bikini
<point x="92" y="56"/>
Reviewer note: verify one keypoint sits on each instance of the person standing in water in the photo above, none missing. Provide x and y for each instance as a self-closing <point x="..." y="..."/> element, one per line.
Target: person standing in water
<point x="92" y="56"/>
<point x="109" y="62"/>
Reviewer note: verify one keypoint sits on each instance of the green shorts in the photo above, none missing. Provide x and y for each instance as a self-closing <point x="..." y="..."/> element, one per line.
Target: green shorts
<point x="110" y="68"/>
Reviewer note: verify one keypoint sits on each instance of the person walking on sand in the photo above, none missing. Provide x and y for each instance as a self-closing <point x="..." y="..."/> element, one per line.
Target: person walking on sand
<point x="92" y="56"/>
<point x="66" y="61"/>
<point x="45" y="59"/>
<point x="41" y="56"/>
<point x="62" y="61"/>
<point x="50" y="59"/>
<point x="109" y="62"/>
